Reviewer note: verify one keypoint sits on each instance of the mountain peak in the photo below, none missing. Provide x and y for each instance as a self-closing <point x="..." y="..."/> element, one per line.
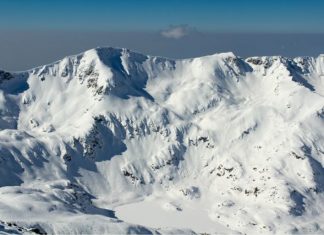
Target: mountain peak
<point x="90" y="140"/>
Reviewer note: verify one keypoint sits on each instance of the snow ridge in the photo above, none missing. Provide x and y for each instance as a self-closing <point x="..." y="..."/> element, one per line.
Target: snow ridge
<point x="88" y="141"/>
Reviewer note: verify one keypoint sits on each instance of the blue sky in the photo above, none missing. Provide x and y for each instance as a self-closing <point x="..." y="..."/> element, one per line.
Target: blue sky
<point x="144" y="15"/>
<point x="36" y="32"/>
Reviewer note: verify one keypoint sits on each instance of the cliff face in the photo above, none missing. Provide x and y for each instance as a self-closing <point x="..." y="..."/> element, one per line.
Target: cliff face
<point x="240" y="140"/>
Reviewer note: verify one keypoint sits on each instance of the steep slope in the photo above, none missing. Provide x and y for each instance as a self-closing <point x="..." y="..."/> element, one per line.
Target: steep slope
<point x="112" y="141"/>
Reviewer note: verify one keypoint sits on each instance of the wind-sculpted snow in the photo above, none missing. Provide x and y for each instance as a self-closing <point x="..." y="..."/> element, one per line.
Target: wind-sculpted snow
<point x="112" y="141"/>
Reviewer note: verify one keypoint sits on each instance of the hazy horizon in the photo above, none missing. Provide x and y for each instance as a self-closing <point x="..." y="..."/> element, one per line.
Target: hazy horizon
<point x="39" y="48"/>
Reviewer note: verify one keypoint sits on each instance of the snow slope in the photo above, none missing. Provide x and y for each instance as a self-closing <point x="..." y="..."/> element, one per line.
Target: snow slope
<point x="113" y="141"/>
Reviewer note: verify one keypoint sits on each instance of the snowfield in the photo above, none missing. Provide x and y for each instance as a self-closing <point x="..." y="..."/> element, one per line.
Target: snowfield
<point x="111" y="141"/>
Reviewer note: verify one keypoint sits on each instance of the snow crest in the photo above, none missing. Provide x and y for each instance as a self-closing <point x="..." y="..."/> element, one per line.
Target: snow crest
<point x="90" y="141"/>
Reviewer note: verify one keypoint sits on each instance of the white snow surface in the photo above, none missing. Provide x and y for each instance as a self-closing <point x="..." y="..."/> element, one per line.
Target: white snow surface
<point x="112" y="141"/>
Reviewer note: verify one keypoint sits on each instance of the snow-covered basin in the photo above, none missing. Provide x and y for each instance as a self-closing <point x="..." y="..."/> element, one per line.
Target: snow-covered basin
<point x="159" y="213"/>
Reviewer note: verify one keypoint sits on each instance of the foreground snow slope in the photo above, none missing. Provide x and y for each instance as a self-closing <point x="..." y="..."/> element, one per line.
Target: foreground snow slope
<point x="97" y="141"/>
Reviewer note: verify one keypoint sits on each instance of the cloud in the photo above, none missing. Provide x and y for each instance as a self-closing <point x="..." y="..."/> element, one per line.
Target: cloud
<point x="176" y="31"/>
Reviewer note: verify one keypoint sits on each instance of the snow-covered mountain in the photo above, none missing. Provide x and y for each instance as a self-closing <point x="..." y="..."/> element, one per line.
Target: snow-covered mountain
<point x="113" y="141"/>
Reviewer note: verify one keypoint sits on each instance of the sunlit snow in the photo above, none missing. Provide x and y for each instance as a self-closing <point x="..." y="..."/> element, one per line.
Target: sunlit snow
<point x="113" y="141"/>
